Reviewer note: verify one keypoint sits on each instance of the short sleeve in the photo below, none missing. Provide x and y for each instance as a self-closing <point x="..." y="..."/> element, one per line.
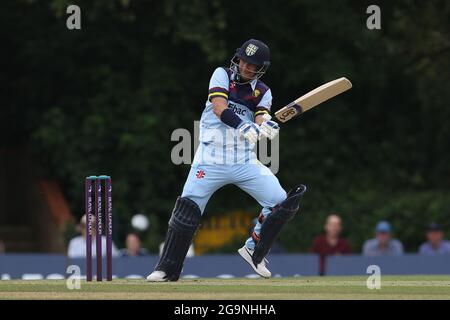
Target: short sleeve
<point x="366" y="248"/>
<point x="218" y="85"/>
<point x="316" y="245"/>
<point x="114" y="251"/>
<point x="265" y="104"/>
<point x="399" y="249"/>
<point x="266" y="100"/>
<point x="347" y="247"/>
<point x="422" y="249"/>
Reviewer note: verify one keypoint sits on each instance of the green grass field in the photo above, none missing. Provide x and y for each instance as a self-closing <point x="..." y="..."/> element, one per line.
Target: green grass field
<point x="392" y="287"/>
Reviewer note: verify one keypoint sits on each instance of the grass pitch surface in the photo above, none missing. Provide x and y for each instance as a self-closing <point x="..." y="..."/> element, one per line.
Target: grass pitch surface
<point x="336" y="288"/>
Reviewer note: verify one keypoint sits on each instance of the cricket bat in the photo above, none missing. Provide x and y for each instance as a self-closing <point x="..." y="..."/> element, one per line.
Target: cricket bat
<point x="313" y="98"/>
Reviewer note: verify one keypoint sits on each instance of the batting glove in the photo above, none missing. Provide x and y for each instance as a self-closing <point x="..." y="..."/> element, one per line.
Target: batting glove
<point x="269" y="128"/>
<point x="249" y="131"/>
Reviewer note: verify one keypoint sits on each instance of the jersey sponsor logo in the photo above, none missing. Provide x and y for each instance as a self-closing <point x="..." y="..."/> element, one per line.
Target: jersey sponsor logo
<point x="237" y="110"/>
<point x="251" y="49"/>
<point x="200" y="174"/>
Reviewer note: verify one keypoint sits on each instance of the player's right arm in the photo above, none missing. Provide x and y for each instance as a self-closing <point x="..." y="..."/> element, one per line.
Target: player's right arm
<point x="218" y="91"/>
<point x="219" y="104"/>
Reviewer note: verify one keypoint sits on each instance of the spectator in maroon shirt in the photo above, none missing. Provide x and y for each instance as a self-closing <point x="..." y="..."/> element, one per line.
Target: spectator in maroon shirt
<point x="330" y="243"/>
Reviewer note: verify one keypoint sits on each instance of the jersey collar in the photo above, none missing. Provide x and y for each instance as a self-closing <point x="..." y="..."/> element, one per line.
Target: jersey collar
<point x="253" y="84"/>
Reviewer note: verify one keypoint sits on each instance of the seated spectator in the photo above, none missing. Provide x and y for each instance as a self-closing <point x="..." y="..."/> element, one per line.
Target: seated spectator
<point x="77" y="245"/>
<point x="383" y="244"/>
<point x="133" y="248"/>
<point x="436" y="245"/>
<point x="330" y="243"/>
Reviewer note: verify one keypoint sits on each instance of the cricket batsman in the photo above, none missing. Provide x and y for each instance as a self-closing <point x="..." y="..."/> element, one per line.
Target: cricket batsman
<point x="236" y="116"/>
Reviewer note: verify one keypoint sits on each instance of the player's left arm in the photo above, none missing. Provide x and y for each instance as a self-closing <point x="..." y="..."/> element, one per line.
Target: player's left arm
<point x="263" y="107"/>
<point x="268" y="128"/>
<point x="259" y="119"/>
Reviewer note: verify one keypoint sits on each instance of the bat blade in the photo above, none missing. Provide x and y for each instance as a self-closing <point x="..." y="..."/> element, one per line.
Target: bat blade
<point x="313" y="98"/>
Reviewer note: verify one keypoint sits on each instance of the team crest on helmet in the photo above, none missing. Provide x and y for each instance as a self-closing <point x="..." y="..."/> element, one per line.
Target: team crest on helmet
<point x="256" y="93"/>
<point x="251" y="49"/>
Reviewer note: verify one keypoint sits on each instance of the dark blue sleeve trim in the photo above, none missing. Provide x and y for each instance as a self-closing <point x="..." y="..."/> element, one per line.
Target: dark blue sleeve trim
<point x="230" y="118"/>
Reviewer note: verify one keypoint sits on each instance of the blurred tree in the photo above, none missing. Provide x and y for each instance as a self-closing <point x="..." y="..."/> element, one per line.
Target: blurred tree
<point x="105" y="99"/>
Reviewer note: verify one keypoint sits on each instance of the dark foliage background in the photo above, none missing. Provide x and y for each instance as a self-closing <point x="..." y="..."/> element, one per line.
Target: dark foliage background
<point x="106" y="99"/>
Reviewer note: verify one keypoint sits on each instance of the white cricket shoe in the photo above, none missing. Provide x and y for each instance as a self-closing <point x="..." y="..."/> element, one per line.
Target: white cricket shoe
<point x="157" y="276"/>
<point x="260" y="269"/>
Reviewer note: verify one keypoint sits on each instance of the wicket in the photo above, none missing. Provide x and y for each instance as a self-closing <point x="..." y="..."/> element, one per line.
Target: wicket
<point x="98" y="200"/>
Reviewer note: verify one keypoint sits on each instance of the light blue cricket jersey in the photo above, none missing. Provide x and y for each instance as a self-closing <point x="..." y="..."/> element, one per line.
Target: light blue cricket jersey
<point x="220" y="143"/>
